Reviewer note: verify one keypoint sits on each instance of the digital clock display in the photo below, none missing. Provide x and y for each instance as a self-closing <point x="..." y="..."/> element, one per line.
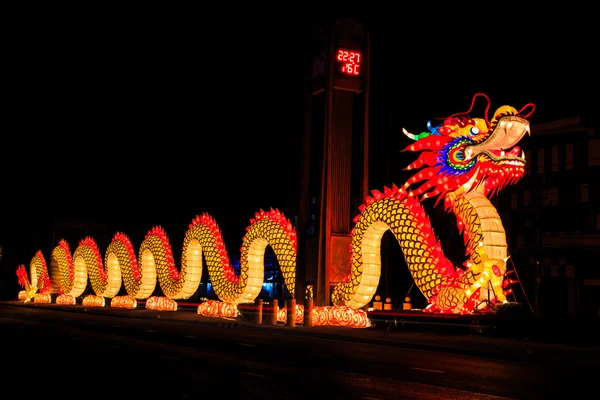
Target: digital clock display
<point x="349" y="62"/>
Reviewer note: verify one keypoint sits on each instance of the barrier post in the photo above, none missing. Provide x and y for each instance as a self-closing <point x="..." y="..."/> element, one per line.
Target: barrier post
<point x="291" y="312"/>
<point x="259" y="311"/>
<point x="273" y="312"/>
<point x="308" y="306"/>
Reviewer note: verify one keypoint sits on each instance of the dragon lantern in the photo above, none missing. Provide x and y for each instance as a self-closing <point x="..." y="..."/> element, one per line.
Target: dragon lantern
<point x="464" y="161"/>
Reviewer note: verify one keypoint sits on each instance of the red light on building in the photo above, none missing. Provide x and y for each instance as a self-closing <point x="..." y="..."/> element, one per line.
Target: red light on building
<point x="349" y="61"/>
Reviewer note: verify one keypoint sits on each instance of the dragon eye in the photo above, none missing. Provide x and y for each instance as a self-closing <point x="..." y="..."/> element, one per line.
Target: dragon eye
<point x="474" y="131"/>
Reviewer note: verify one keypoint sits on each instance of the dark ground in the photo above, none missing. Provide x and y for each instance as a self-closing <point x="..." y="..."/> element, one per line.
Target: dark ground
<point x="56" y="353"/>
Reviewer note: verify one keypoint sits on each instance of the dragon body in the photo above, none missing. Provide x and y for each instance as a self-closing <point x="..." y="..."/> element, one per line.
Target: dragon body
<point x="155" y="263"/>
<point x="463" y="161"/>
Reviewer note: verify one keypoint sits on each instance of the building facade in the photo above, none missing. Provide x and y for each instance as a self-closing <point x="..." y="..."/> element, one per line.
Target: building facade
<point x="552" y="220"/>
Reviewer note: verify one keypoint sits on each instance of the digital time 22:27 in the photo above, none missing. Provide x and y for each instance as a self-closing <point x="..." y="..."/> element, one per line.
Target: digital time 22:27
<point x="349" y="62"/>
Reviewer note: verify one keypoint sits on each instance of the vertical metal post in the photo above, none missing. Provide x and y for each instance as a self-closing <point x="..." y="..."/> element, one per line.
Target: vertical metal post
<point x="273" y="313"/>
<point x="291" y="312"/>
<point x="259" y="311"/>
<point x="308" y="307"/>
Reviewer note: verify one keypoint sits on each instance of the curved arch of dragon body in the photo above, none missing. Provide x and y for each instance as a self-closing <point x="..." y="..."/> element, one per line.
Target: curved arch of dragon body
<point x="68" y="274"/>
<point x="464" y="161"/>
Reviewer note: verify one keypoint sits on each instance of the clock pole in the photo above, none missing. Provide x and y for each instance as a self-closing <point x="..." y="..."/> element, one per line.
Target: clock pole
<point x="335" y="149"/>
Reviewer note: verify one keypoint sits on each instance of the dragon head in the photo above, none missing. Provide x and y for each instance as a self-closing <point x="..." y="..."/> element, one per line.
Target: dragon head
<point x="470" y="153"/>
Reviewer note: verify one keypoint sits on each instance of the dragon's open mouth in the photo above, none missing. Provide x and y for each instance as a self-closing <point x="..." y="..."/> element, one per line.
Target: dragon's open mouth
<point x="501" y="146"/>
<point x="513" y="156"/>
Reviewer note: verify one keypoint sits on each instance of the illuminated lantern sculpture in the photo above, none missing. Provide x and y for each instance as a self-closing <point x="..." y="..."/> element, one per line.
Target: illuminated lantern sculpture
<point x="40" y="278"/>
<point x="464" y="161"/>
<point x="155" y="263"/>
<point x="69" y="287"/>
<point x="29" y="291"/>
<point x="267" y="228"/>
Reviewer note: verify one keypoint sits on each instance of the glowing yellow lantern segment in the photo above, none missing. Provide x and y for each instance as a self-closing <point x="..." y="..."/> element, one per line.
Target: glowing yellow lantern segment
<point x="267" y="228"/>
<point x="39" y="274"/>
<point x="69" y="273"/>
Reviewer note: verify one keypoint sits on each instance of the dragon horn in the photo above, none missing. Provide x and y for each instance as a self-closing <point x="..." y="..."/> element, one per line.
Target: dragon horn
<point x="410" y="135"/>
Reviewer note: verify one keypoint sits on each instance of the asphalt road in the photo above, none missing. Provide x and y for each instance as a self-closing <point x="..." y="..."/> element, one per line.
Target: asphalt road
<point x="68" y="355"/>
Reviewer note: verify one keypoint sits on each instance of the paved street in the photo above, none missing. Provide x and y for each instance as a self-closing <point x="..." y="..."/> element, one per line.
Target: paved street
<point x="58" y="354"/>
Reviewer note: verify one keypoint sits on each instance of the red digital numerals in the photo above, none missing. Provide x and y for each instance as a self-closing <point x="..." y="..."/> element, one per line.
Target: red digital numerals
<point x="349" y="62"/>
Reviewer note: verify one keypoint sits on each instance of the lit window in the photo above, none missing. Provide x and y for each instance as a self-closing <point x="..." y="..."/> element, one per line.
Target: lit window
<point x="570" y="271"/>
<point x="584" y="193"/>
<point x="514" y="200"/>
<point x="547" y="260"/>
<point x="553" y="196"/>
<point x="554" y="158"/>
<point x="569" y="156"/>
<point x="526" y="198"/>
<point x="540" y="161"/>
<point x="594" y="152"/>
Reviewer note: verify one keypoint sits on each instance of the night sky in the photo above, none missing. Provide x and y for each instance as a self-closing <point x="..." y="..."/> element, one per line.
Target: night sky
<point x="131" y="127"/>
